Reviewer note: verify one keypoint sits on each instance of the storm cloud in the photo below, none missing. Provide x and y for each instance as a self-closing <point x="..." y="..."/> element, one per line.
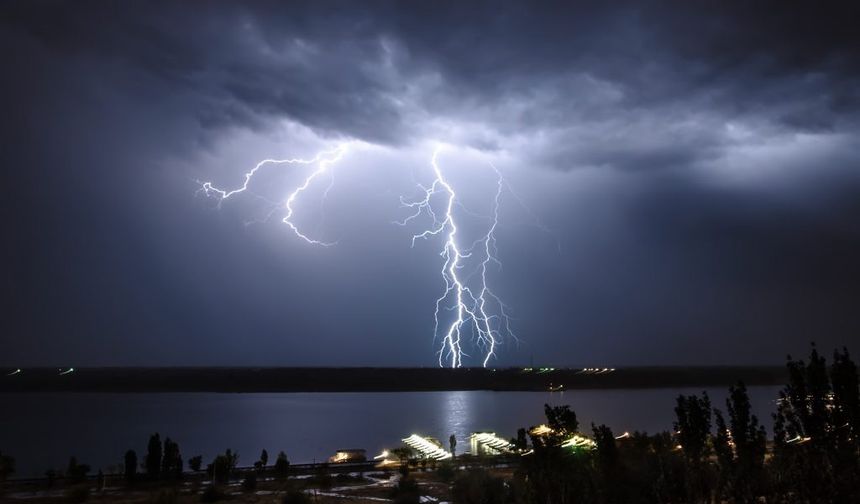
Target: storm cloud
<point x="696" y="165"/>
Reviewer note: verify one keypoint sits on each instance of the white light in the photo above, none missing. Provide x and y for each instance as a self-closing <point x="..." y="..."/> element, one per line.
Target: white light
<point x="476" y="307"/>
<point x="472" y="308"/>
<point x="426" y="447"/>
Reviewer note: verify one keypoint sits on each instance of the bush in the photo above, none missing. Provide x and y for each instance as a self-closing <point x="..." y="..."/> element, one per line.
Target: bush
<point x="323" y="477"/>
<point x="249" y="484"/>
<point x="295" y="496"/>
<point x="446" y="472"/>
<point x="282" y="465"/>
<point x="478" y="487"/>
<point x="170" y="496"/>
<point x="211" y="494"/>
<point x="77" y="494"/>
<point x="195" y="463"/>
<point x="77" y="472"/>
<point x="406" y="492"/>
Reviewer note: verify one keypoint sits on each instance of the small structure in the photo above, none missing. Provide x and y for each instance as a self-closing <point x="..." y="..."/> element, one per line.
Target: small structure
<point x="487" y="443"/>
<point x="348" y="455"/>
<point x="427" y="447"/>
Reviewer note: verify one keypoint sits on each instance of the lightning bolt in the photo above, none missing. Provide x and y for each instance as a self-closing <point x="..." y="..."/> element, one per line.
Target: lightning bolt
<point x="323" y="161"/>
<point x="475" y="308"/>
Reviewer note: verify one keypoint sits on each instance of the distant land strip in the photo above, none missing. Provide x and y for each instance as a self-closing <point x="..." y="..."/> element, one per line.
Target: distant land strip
<point x="377" y="379"/>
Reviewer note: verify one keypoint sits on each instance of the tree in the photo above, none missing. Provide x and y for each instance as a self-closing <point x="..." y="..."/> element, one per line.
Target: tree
<point x="76" y="471"/>
<point x="608" y="477"/>
<point x="846" y="424"/>
<point x="282" y="465"/>
<point x="693" y="426"/>
<point x="260" y="464"/>
<point x="561" y="419"/>
<point x="223" y="466"/>
<point x="51" y="475"/>
<point x="171" y="462"/>
<point x="7" y="466"/>
<point x="130" y="467"/>
<point x="195" y="462"/>
<point x="153" y="457"/>
<point x="232" y="458"/>
<point x="816" y="431"/>
<point x="446" y="471"/>
<point x="323" y="476"/>
<point x="521" y="442"/>
<point x="296" y="496"/>
<point x="406" y="491"/>
<point x="740" y="447"/>
<point x="403" y="453"/>
<point x="846" y="402"/>
<point x="477" y="486"/>
<point x="249" y="484"/>
<point x="452" y="441"/>
<point x="554" y="474"/>
<point x="219" y="469"/>
<point x="693" y="431"/>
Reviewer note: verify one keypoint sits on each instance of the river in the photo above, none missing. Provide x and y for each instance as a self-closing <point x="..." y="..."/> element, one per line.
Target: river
<point x="41" y="430"/>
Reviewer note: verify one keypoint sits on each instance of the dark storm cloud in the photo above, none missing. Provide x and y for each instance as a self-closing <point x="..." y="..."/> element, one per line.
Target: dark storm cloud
<point x="731" y="131"/>
<point x="376" y="74"/>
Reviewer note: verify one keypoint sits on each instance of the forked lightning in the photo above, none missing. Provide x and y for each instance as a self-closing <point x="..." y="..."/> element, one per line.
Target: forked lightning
<point x="477" y="311"/>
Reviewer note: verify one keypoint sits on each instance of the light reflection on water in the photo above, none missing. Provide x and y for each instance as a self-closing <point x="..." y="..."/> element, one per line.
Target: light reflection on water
<point x="458" y="418"/>
<point x="42" y="430"/>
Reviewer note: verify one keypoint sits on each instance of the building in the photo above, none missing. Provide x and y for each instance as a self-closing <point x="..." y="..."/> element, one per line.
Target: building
<point x="349" y="455"/>
<point x="487" y="443"/>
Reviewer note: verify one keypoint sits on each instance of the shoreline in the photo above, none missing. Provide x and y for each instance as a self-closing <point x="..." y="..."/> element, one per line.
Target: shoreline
<point x="294" y="379"/>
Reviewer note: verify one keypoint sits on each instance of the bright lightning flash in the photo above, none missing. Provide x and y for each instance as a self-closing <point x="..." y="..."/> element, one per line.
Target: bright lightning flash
<point x="323" y="162"/>
<point x="475" y="308"/>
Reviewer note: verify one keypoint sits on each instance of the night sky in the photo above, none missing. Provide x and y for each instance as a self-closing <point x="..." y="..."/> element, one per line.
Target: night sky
<point x="685" y="177"/>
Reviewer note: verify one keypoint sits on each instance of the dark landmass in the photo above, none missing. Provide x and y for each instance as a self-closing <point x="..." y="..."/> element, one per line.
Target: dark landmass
<point x="307" y="379"/>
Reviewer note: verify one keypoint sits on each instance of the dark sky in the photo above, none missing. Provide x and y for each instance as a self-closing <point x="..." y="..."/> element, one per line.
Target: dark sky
<point x="687" y="178"/>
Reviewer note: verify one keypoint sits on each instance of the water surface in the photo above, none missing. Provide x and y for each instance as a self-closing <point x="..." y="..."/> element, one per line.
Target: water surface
<point x="42" y="430"/>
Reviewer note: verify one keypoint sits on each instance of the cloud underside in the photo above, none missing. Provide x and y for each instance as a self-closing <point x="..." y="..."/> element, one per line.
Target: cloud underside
<point x="629" y="86"/>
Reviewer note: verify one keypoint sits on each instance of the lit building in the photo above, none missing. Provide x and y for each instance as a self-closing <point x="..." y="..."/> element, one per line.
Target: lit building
<point x="427" y="447"/>
<point x="349" y="455"/>
<point x="487" y="443"/>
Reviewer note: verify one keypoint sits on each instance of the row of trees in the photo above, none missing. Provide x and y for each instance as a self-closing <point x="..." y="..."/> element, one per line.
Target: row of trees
<point x="163" y="461"/>
<point x="713" y="455"/>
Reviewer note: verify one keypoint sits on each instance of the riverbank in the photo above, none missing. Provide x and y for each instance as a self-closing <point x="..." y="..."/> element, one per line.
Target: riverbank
<point x="282" y="379"/>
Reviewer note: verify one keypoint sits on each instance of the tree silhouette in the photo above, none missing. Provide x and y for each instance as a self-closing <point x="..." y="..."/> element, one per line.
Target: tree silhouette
<point x="693" y="431"/>
<point x="171" y="463"/>
<point x="521" y="442"/>
<point x="76" y="472"/>
<point x="195" y="462"/>
<point x="7" y="466"/>
<point x="561" y="419"/>
<point x="740" y="447"/>
<point x="815" y="431"/>
<point x="282" y="465"/>
<point x="153" y="457"/>
<point x="130" y="467"/>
